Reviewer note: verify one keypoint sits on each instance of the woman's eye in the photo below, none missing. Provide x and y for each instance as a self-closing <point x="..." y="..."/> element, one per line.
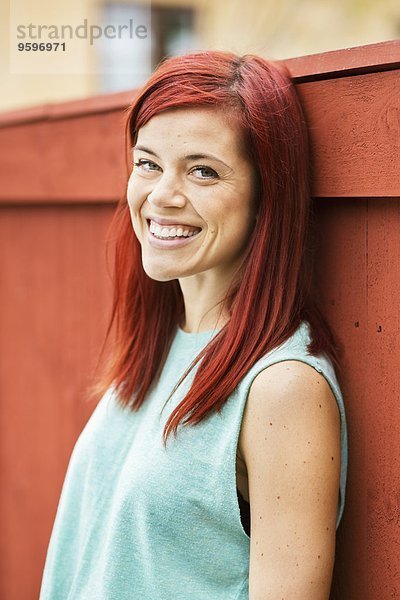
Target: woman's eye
<point x="146" y="165"/>
<point x="205" y="172"/>
<point x="200" y="172"/>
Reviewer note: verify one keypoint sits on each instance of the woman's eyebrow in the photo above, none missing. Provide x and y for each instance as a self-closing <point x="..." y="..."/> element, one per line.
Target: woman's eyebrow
<point x="145" y="150"/>
<point x="200" y="156"/>
<point x="197" y="156"/>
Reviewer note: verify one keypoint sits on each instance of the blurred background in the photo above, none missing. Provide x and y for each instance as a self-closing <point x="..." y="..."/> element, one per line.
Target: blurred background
<point x="276" y="29"/>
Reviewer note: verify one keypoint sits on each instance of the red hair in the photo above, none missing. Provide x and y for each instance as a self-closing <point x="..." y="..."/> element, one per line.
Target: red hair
<point x="274" y="293"/>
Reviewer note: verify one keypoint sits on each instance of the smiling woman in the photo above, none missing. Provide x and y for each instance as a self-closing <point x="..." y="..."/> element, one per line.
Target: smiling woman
<point x="219" y="341"/>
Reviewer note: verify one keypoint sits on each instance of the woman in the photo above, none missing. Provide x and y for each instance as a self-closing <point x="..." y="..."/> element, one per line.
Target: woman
<point x="217" y="341"/>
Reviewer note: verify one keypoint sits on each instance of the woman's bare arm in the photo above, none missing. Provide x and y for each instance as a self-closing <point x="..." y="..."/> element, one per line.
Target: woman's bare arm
<point x="290" y="442"/>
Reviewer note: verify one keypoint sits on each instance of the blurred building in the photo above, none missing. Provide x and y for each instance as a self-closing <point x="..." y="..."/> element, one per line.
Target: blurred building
<point x="272" y="28"/>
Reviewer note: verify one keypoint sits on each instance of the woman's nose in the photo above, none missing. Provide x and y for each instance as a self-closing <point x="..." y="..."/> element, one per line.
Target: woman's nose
<point x="166" y="192"/>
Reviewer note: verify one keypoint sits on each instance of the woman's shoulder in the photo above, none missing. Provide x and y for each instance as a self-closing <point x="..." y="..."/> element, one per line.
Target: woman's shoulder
<point x="290" y="373"/>
<point x="294" y="348"/>
<point x="291" y="385"/>
<point x="290" y="395"/>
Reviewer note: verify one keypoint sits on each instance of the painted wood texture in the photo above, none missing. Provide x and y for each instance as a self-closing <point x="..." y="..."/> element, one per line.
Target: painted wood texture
<point x="54" y="297"/>
<point x="62" y="169"/>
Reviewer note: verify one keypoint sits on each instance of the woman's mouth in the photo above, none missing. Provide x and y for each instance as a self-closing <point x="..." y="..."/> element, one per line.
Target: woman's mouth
<point x="164" y="232"/>
<point x="171" y="235"/>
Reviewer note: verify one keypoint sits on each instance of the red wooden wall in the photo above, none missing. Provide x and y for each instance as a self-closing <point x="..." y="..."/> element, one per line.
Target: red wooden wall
<point x="62" y="169"/>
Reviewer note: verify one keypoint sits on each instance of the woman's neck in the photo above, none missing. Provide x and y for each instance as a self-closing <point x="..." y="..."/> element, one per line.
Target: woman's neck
<point x="203" y="302"/>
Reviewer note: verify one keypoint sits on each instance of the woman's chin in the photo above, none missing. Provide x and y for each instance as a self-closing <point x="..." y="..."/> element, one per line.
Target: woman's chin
<point x="160" y="274"/>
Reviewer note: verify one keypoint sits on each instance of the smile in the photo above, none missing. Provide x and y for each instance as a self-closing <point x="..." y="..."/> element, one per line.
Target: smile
<point x="172" y="231"/>
<point x="161" y="236"/>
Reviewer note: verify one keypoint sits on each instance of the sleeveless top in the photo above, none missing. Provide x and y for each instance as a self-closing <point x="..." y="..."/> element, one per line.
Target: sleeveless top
<point x="139" y="521"/>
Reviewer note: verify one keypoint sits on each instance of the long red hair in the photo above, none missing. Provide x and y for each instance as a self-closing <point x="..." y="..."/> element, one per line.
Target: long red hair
<point x="274" y="293"/>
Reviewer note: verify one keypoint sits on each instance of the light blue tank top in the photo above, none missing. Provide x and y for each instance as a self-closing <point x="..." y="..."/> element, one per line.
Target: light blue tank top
<point x="137" y="521"/>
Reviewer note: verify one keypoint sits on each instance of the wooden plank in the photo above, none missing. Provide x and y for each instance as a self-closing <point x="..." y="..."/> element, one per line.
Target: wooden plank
<point x="55" y="295"/>
<point x="344" y="62"/>
<point x="64" y="110"/>
<point x="74" y="160"/>
<point x="341" y="285"/>
<point x="354" y="127"/>
<point x="358" y="279"/>
<point x="382" y="406"/>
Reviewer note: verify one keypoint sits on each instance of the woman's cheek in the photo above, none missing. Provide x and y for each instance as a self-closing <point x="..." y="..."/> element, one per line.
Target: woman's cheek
<point x="134" y="220"/>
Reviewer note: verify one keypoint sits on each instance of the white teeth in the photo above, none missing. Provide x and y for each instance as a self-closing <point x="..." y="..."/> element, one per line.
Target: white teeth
<point x="170" y="232"/>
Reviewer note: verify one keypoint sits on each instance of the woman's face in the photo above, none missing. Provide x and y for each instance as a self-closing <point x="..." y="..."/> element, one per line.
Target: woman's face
<point x="191" y="194"/>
